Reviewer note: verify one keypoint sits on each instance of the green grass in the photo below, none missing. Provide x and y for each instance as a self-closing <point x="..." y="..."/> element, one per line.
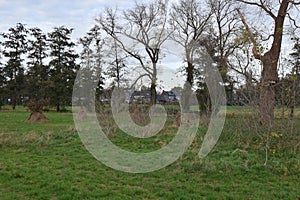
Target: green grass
<point x="48" y="161"/>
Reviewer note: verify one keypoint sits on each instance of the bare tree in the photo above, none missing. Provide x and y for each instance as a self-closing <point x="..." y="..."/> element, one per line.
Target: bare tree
<point x="143" y="26"/>
<point x="226" y="31"/>
<point x="269" y="75"/>
<point x="189" y="22"/>
<point x="241" y="63"/>
<point x="222" y="40"/>
<point x="117" y="68"/>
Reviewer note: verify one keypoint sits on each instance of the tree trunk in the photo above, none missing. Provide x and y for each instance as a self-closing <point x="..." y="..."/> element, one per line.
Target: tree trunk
<point x="292" y="111"/>
<point x="189" y="83"/>
<point x="185" y="96"/>
<point x="267" y="89"/>
<point x="293" y="101"/>
<point x="153" y="93"/>
<point x="14" y="103"/>
<point x="190" y="73"/>
<point x="267" y="104"/>
<point x="58" y="107"/>
<point x="153" y="83"/>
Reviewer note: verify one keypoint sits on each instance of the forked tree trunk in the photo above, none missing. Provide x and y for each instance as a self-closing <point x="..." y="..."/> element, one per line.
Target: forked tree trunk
<point x="270" y="61"/>
<point x="270" y="73"/>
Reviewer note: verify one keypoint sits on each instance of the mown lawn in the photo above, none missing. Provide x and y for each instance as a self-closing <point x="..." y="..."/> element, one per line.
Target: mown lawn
<point x="48" y="161"/>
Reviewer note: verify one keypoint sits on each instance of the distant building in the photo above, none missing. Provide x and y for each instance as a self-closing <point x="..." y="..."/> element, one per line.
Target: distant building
<point x="167" y="97"/>
<point x="144" y="97"/>
<point x="141" y="97"/>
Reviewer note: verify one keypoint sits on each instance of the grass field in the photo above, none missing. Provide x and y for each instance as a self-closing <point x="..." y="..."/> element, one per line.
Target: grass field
<point x="49" y="161"/>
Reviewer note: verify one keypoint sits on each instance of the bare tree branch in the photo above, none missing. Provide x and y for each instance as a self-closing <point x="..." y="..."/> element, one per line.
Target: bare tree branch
<point x="244" y="74"/>
<point x="140" y="77"/>
<point x="261" y="5"/>
<point x="254" y="49"/>
<point x="266" y="39"/>
<point x="294" y="2"/>
<point x="293" y="20"/>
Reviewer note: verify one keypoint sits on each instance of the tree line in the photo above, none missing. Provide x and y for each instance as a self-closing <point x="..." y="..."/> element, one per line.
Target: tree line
<point x="38" y="65"/>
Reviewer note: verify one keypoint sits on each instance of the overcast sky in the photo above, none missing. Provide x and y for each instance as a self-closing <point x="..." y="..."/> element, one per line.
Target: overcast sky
<point x="77" y="14"/>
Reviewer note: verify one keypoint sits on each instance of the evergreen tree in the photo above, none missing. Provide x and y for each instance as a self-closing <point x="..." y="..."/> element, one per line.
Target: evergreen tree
<point x="295" y="55"/>
<point x="97" y="55"/>
<point x="15" y="46"/>
<point x="62" y="66"/>
<point x="38" y="71"/>
<point x="2" y="81"/>
<point x="295" y="76"/>
<point x="92" y="61"/>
